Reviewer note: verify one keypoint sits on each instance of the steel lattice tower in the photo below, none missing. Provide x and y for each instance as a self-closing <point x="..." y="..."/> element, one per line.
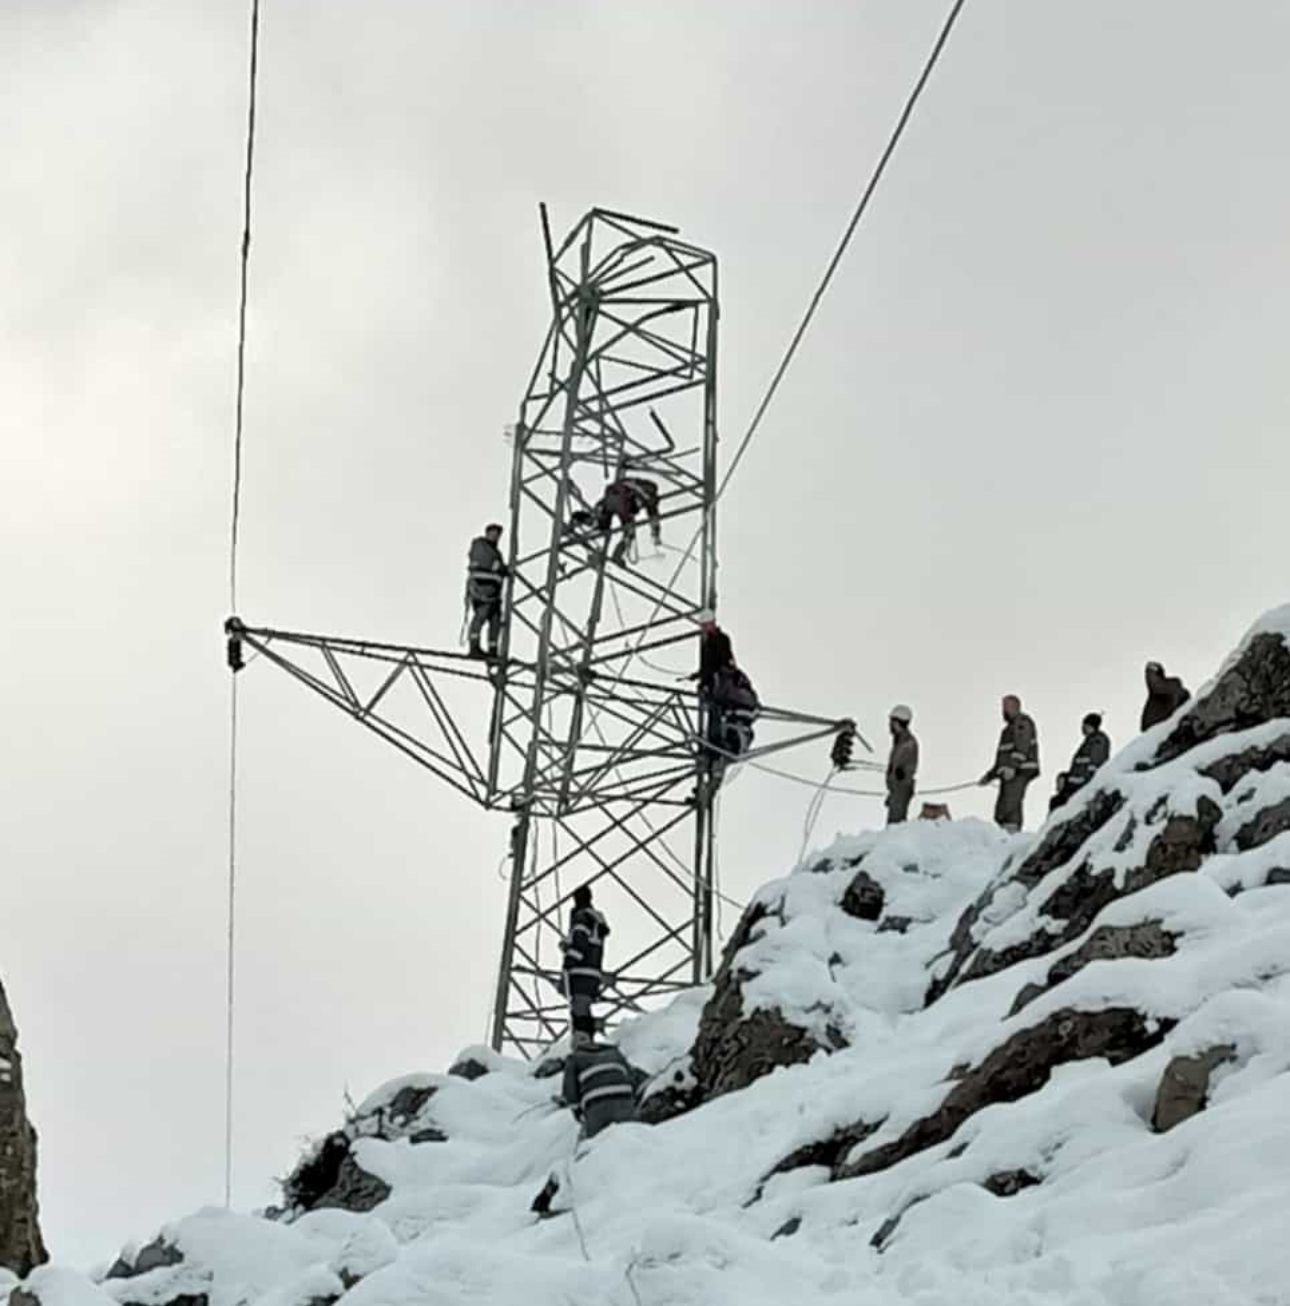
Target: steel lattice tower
<point x="595" y="736"/>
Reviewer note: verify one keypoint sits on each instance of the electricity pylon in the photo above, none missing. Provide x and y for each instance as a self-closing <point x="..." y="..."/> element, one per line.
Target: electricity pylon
<point x="596" y="740"/>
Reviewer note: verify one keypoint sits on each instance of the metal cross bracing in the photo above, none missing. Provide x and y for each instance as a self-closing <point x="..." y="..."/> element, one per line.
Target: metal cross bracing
<point x="594" y="745"/>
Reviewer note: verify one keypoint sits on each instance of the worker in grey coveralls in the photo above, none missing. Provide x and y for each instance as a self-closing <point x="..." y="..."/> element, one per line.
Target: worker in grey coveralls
<point x="485" y="575"/>
<point x="902" y="764"/>
<point x="1016" y="764"/>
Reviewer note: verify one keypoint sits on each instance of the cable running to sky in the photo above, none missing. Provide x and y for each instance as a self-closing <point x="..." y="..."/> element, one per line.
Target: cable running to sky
<point x="232" y="585"/>
<point x="875" y="177"/>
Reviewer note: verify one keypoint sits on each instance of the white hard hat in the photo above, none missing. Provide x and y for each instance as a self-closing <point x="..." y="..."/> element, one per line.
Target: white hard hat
<point x="901" y="712"/>
<point x="705" y="616"/>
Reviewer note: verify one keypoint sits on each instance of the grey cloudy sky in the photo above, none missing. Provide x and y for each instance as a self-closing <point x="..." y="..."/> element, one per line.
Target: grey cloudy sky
<point x="1036" y="435"/>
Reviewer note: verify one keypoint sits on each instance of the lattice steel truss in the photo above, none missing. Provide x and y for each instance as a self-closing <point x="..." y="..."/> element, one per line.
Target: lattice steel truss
<point x="594" y="746"/>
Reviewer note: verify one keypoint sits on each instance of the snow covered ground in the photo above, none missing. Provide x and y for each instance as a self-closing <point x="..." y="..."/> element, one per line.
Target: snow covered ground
<point x="974" y="1109"/>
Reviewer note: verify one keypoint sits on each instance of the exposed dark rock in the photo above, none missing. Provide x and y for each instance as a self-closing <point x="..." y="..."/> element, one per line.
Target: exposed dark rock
<point x="470" y="1068"/>
<point x="830" y="1152"/>
<point x="323" y="1301"/>
<point x="667" y="1102"/>
<point x="1269" y="823"/>
<point x="184" y="1299"/>
<point x="734" y="1047"/>
<point x="355" y="1189"/>
<point x="1184" y="1087"/>
<point x="1182" y="845"/>
<point x="331" y="1177"/>
<point x="428" y="1135"/>
<point x="407" y="1102"/>
<point x="864" y="897"/>
<point x="1254" y="690"/>
<point x="894" y="924"/>
<point x="886" y="1230"/>
<point x="21" y="1245"/>
<point x="1229" y="771"/>
<point x="158" y="1254"/>
<point x="788" y="1228"/>
<point x="1008" y="1183"/>
<point x="1058" y="846"/>
<point x="1020" y="1066"/>
<point x="1148" y="939"/>
<point x="1278" y="875"/>
<point x="732" y="1053"/>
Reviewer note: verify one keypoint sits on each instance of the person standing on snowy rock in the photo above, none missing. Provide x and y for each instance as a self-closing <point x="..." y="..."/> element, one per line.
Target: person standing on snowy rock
<point x="1165" y="695"/>
<point x="597" y="1082"/>
<point x="584" y="955"/>
<point x="902" y="764"/>
<point x="1016" y="764"/>
<point x="1094" y="749"/>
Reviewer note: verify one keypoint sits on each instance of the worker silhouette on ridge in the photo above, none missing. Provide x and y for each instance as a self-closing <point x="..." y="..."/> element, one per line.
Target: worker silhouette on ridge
<point x="1093" y="750"/>
<point x="485" y="575"/>
<point x="902" y="764"/>
<point x="1165" y="695"/>
<point x="1016" y="764"/>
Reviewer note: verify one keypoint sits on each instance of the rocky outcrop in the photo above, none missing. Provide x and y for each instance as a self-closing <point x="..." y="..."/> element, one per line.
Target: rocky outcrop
<point x="21" y="1245"/>
<point x="864" y="897"/>
<point x="733" y="1047"/>
<point x="1184" y="1087"/>
<point x="330" y="1176"/>
<point x="1146" y="940"/>
<point x="1253" y="689"/>
<point x="1018" y="1067"/>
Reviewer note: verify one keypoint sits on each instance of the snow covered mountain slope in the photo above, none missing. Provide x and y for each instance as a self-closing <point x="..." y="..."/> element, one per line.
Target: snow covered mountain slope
<point x="938" y="1065"/>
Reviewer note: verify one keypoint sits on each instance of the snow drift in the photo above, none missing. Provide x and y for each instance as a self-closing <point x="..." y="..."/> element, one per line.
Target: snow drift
<point x="938" y="1065"/>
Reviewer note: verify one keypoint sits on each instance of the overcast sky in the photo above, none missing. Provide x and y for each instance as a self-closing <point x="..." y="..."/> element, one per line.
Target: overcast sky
<point x="1036" y="436"/>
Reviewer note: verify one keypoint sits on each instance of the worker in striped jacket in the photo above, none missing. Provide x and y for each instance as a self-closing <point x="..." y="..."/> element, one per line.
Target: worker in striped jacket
<point x="584" y="954"/>
<point x="1016" y="764"/>
<point x="597" y="1082"/>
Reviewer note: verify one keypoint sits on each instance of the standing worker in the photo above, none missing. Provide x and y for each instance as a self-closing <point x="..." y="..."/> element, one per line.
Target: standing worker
<point x="584" y="955"/>
<point x="902" y="764"/>
<point x="485" y="575"/>
<point x="1165" y="695"/>
<point x="1094" y="749"/>
<point x="1016" y="764"/>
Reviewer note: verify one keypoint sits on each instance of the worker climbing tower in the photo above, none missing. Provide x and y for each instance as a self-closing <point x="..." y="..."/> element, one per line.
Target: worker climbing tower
<point x="596" y="733"/>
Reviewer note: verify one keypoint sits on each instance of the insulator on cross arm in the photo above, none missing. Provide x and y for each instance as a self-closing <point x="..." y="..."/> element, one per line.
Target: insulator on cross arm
<point x="843" y="743"/>
<point x="233" y="628"/>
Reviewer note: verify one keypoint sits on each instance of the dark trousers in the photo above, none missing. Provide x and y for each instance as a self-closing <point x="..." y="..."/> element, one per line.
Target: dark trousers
<point x="486" y="612"/>
<point x="1009" y="807"/>
<point x="899" y="795"/>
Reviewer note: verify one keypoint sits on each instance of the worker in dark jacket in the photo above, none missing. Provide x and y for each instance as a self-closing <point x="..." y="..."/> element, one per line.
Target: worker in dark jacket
<point x="732" y="708"/>
<point x="584" y="954"/>
<point x="1016" y="764"/>
<point x="902" y="764"/>
<point x="1093" y="751"/>
<point x="715" y="651"/>
<point x="597" y="1083"/>
<point x="485" y="575"/>
<point x="600" y="1087"/>
<point x="1165" y="695"/>
<point x="622" y="501"/>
